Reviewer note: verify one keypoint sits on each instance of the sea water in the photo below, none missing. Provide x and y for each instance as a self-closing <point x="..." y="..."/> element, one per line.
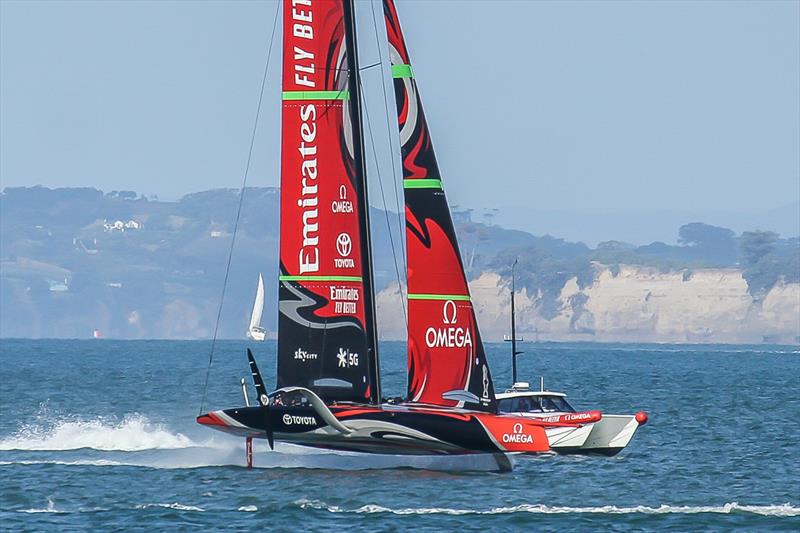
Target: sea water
<point x="102" y="435"/>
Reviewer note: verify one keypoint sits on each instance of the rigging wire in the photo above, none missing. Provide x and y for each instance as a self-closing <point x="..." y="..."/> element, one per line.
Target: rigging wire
<point x="400" y="224"/>
<point x="385" y="210"/>
<point x="239" y="206"/>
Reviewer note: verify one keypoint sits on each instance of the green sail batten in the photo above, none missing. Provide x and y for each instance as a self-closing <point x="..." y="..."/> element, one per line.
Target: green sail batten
<point x="402" y="71"/>
<point x="316" y="95"/>
<point x="319" y="278"/>
<point x="458" y="297"/>
<point x="422" y="184"/>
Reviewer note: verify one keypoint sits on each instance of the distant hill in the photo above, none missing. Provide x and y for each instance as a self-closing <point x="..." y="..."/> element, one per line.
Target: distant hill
<point x="76" y="259"/>
<point x="638" y="226"/>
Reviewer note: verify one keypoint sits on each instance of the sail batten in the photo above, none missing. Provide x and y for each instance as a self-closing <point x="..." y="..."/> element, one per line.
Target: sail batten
<point x="316" y="95"/>
<point x="446" y="360"/>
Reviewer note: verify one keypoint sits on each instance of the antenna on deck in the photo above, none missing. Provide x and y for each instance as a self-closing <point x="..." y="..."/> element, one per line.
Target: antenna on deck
<point x="513" y="339"/>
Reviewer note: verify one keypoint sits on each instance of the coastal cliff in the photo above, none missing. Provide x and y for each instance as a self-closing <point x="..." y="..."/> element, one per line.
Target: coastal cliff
<point x="632" y="304"/>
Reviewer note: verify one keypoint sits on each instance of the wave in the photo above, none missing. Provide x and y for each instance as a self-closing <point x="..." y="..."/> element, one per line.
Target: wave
<point x="782" y="510"/>
<point x="248" y="508"/>
<point x="132" y="433"/>
<point x="227" y="453"/>
<point x="51" y="508"/>
<point x="81" y="462"/>
<point x="175" y="505"/>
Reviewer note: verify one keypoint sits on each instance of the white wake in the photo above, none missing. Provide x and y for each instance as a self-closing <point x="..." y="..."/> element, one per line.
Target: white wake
<point x="134" y="440"/>
<point x="133" y="433"/>
<point x="785" y="509"/>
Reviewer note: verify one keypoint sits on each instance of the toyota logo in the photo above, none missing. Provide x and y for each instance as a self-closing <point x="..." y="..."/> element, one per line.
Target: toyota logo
<point x="343" y="244"/>
<point x="287" y="419"/>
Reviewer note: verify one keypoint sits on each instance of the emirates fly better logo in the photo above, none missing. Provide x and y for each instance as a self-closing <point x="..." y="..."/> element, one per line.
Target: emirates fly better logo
<point x="450" y="335"/>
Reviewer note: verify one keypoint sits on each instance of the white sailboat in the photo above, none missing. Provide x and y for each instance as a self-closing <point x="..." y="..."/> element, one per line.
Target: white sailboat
<point x="255" y="331"/>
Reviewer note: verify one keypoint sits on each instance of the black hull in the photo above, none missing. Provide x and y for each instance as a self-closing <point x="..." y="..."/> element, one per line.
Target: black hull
<point x="385" y="429"/>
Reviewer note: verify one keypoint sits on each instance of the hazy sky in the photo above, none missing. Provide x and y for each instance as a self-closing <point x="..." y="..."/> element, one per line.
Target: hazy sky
<point x="581" y="106"/>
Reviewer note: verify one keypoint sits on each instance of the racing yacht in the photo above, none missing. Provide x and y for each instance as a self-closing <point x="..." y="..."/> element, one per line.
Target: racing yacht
<point x="328" y="391"/>
<point x="568" y="431"/>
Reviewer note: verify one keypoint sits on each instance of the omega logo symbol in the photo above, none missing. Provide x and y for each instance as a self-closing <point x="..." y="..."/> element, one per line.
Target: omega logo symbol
<point x="518" y="436"/>
<point x="449" y="312"/>
<point x="450" y="336"/>
<point x="343" y="244"/>
<point x="342" y="192"/>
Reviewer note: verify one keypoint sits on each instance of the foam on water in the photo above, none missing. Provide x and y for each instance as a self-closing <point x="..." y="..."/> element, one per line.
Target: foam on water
<point x="310" y="460"/>
<point x="80" y="462"/>
<point x="728" y="508"/>
<point x="175" y="505"/>
<point x="782" y="510"/>
<point x="51" y="508"/>
<point x="136" y="441"/>
<point x="132" y="433"/>
<point x="248" y="508"/>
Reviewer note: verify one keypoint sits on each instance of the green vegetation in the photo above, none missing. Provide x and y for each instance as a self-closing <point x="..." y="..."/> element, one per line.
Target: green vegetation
<point x="766" y="260"/>
<point x="76" y="259"/>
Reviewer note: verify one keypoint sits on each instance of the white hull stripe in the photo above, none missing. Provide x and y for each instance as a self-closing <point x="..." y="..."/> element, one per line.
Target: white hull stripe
<point x="228" y="420"/>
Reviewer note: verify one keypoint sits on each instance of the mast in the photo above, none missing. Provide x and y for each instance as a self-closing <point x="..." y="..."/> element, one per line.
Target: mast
<point x="514" y="351"/>
<point x="513" y="331"/>
<point x="354" y="86"/>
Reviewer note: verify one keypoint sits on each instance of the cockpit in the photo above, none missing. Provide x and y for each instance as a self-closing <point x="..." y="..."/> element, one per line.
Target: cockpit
<point x="289" y="399"/>
<point x="535" y="404"/>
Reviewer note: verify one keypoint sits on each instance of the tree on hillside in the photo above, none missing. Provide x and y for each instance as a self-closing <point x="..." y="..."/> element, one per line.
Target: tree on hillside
<point x="542" y="273"/>
<point x="699" y="234"/>
<point x="710" y="243"/>
<point x="754" y="245"/>
<point x="615" y="246"/>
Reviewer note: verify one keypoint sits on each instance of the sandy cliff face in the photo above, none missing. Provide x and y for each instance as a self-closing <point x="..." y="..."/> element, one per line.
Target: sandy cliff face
<point x="634" y="304"/>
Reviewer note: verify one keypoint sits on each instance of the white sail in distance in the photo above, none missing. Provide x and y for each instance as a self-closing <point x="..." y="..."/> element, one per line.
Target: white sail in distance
<point x="255" y="331"/>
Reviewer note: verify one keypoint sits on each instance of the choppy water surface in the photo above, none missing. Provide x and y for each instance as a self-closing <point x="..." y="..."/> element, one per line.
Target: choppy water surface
<point x="102" y="434"/>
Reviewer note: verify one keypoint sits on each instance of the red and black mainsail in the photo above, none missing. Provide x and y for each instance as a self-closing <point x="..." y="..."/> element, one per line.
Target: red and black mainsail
<point x="326" y="330"/>
<point x="446" y="359"/>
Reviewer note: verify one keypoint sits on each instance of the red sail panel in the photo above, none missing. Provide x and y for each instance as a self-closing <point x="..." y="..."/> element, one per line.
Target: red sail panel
<point x="322" y="343"/>
<point x="446" y="359"/>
